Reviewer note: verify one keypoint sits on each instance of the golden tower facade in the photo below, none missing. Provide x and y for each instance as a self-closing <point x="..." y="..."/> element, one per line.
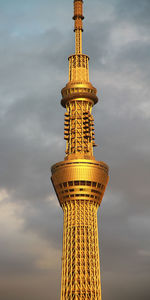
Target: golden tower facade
<point x="79" y="181"/>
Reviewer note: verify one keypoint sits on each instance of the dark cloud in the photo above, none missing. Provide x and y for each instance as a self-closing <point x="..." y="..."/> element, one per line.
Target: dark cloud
<point x="136" y="11"/>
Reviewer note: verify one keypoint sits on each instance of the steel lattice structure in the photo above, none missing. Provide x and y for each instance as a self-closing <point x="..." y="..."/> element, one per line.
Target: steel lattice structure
<point x="79" y="181"/>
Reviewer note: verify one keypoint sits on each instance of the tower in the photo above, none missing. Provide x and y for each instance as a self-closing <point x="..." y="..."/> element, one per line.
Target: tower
<point x="79" y="181"/>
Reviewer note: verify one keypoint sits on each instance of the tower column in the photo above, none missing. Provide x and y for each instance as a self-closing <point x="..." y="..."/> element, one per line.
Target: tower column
<point x="80" y="261"/>
<point x="80" y="180"/>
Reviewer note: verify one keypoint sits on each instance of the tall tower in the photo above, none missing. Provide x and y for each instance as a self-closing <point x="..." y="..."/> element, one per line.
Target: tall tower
<point x="79" y="180"/>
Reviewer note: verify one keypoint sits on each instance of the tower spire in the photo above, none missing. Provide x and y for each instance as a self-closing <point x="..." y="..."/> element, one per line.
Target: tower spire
<point x="78" y="26"/>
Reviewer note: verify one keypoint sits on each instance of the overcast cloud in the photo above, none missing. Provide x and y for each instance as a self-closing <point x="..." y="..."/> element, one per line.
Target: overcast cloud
<point x="36" y="39"/>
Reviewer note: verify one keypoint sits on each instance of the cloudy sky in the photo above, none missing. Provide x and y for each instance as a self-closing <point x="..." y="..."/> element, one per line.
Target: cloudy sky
<point x="35" y="40"/>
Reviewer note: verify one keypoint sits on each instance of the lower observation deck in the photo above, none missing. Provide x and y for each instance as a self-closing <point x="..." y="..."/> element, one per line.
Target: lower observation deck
<point x="80" y="180"/>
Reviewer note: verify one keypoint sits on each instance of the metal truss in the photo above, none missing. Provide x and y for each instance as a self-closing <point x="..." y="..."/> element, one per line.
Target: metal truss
<point x="79" y="127"/>
<point x="80" y="260"/>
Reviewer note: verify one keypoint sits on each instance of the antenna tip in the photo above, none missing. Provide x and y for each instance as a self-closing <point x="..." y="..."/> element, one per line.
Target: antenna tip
<point x="78" y="14"/>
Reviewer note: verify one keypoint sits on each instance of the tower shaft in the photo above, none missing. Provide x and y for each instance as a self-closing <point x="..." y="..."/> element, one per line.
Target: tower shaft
<point x="79" y="181"/>
<point x="80" y="185"/>
<point x="80" y="261"/>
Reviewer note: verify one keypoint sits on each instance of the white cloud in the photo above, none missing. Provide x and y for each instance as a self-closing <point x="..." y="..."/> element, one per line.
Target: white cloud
<point x="3" y="195"/>
<point x="10" y="214"/>
<point x="143" y="252"/>
<point x="126" y="33"/>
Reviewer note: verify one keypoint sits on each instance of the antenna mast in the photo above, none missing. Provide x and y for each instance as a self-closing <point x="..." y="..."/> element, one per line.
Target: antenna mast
<point x="78" y="25"/>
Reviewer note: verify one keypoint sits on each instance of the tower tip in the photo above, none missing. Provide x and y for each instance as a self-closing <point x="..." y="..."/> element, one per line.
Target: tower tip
<point x="78" y="15"/>
<point x="78" y="25"/>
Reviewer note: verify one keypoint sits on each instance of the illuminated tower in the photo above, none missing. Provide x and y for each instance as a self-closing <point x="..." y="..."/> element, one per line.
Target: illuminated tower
<point x="79" y="180"/>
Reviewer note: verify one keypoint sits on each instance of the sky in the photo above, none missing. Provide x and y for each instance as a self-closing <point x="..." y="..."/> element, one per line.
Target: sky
<point x="36" y="38"/>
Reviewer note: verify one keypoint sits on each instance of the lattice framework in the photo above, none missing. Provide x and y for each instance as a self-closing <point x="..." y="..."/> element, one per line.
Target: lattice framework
<point x="80" y="261"/>
<point x="79" y="127"/>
